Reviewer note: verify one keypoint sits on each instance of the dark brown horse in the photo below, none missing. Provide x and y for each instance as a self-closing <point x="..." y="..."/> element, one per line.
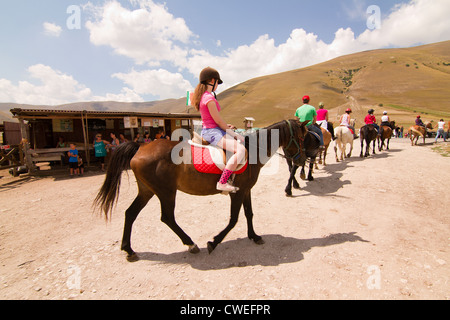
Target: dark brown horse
<point x="312" y="149"/>
<point x="157" y="174"/>
<point x="368" y="134"/>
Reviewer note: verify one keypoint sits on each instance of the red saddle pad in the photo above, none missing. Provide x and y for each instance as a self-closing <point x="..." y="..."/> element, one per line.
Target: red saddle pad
<point x="206" y="165"/>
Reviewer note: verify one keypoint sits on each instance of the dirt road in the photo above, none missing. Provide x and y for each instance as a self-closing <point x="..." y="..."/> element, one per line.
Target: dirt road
<point x="376" y="228"/>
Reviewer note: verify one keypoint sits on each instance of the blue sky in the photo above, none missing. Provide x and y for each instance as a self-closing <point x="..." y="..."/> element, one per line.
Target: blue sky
<point x="143" y="50"/>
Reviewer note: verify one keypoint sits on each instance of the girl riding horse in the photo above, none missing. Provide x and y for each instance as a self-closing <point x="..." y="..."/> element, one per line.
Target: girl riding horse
<point x="215" y="130"/>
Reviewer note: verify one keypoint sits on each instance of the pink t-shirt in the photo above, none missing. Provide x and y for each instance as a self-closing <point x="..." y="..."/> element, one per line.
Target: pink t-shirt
<point x="321" y="114"/>
<point x="208" y="121"/>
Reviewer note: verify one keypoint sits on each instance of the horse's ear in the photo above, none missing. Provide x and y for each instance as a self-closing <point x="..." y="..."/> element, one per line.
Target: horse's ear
<point x="303" y="124"/>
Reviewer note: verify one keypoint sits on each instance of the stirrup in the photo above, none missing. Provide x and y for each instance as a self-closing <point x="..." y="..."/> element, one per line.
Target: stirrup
<point x="226" y="188"/>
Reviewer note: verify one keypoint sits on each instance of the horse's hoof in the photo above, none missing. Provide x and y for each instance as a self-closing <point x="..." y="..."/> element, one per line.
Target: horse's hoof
<point x="310" y="178"/>
<point x="132" y="257"/>
<point x="259" y="242"/>
<point x="194" y="249"/>
<point x="288" y="193"/>
<point x="211" y="247"/>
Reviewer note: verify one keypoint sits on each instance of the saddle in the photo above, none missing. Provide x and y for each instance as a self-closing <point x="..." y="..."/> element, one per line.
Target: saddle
<point x="371" y="125"/>
<point x="211" y="159"/>
<point x="315" y="135"/>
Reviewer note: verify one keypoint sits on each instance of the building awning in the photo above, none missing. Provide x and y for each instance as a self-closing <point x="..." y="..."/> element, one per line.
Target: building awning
<point x="71" y="114"/>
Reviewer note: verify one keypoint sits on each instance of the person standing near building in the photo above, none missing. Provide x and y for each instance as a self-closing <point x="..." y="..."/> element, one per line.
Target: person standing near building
<point x="73" y="160"/>
<point x="100" y="149"/>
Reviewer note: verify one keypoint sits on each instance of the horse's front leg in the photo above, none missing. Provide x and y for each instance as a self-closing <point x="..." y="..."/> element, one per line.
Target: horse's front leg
<point x="311" y="169"/>
<point x="374" y="141"/>
<point x="362" y="149"/>
<point x="236" y="204"/>
<point x="291" y="180"/>
<point x="249" y="215"/>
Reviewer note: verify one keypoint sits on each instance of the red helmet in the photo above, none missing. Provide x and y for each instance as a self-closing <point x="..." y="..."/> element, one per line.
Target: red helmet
<point x="348" y="110"/>
<point x="306" y="98"/>
<point x="418" y="117"/>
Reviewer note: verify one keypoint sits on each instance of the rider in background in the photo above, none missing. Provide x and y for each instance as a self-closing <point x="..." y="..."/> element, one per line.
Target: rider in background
<point x="370" y="119"/>
<point x="322" y="120"/>
<point x="345" y="122"/>
<point x="386" y="121"/>
<point x="308" y="113"/>
<point x="419" y="122"/>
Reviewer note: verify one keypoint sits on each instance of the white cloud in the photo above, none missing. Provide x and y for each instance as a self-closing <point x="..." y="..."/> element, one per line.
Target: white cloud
<point x="126" y="95"/>
<point x="161" y="83"/>
<point x="417" y="22"/>
<point x="55" y="88"/>
<point x="149" y="34"/>
<point x="52" y="30"/>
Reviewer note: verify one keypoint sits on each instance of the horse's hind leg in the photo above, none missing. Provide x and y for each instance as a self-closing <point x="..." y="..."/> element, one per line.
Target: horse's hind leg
<point x="130" y="216"/>
<point x="168" y="217"/>
<point x="311" y="169"/>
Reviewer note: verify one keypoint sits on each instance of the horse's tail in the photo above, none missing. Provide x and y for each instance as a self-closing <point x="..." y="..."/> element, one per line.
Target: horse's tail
<point x="109" y="192"/>
<point x="416" y="132"/>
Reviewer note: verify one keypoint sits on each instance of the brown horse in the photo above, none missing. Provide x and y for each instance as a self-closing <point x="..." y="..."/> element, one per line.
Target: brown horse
<point x="326" y="143"/>
<point x="157" y="174"/>
<point x="386" y="135"/>
<point x="368" y="134"/>
<point x="415" y="132"/>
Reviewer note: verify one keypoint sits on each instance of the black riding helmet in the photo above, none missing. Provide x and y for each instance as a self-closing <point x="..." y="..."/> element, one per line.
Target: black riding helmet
<point x="209" y="73"/>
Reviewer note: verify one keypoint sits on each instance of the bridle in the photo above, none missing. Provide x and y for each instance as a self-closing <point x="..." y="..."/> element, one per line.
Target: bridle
<point x="294" y="140"/>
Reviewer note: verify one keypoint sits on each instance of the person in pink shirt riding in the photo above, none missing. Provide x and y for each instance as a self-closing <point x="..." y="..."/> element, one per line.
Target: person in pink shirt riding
<point x="215" y="130"/>
<point x="322" y="120"/>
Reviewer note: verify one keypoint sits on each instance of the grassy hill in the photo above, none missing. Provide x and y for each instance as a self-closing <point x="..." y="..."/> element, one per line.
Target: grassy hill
<point x="406" y="82"/>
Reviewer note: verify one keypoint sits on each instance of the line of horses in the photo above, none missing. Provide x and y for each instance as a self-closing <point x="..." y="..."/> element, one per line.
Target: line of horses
<point x="344" y="136"/>
<point x="157" y="174"/>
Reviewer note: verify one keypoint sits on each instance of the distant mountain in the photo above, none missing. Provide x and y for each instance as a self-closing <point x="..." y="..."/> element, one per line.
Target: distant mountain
<point x="405" y="82"/>
<point x="164" y="106"/>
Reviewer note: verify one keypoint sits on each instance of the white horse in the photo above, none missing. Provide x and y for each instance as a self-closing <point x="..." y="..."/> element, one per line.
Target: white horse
<point x="343" y="137"/>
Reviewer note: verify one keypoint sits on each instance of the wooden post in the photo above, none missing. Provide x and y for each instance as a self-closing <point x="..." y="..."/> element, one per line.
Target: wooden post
<point x="85" y="136"/>
<point x="26" y="146"/>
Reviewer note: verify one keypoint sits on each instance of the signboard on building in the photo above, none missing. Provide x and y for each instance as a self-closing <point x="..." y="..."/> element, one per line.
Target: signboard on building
<point x="131" y="122"/>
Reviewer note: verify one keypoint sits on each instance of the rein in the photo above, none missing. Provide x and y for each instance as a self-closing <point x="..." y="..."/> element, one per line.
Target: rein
<point x="294" y="141"/>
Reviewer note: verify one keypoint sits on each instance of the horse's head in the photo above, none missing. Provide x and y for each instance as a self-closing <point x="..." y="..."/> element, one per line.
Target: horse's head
<point x="294" y="146"/>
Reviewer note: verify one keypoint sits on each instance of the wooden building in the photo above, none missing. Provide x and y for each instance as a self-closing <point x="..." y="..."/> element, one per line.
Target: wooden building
<point x="43" y="128"/>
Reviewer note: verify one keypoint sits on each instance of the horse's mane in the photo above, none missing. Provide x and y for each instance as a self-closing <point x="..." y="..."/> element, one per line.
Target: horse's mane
<point x="285" y="133"/>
